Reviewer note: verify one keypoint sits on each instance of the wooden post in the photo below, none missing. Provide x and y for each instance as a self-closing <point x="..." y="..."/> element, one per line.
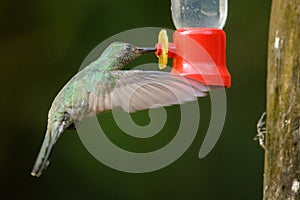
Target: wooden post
<point x="282" y="154"/>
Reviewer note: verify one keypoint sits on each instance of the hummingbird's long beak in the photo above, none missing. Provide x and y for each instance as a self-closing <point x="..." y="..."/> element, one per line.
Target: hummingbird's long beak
<point x="143" y="50"/>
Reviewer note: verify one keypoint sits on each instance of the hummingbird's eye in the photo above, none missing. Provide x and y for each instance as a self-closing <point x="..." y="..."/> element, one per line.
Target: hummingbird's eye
<point x="128" y="47"/>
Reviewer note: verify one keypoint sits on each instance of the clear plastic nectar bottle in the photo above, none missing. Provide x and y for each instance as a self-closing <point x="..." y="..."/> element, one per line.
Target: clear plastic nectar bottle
<point x="199" y="13"/>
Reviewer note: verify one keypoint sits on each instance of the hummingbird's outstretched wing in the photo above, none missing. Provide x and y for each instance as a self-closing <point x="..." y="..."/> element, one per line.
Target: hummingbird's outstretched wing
<point x="138" y="90"/>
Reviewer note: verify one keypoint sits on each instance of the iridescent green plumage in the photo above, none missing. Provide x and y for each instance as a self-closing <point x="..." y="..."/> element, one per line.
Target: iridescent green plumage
<point x="102" y="86"/>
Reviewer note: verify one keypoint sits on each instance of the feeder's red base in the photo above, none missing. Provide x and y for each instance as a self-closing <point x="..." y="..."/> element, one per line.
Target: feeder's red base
<point x="200" y="53"/>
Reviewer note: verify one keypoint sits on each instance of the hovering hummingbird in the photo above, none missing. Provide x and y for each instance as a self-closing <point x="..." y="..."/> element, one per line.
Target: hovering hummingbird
<point x="102" y="86"/>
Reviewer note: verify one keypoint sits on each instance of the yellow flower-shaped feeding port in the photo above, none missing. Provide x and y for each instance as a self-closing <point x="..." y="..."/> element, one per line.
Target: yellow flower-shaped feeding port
<point x="163" y="40"/>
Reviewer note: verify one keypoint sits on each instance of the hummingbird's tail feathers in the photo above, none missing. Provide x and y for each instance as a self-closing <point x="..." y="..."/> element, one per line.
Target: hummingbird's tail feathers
<point x="42" y="160"/>
<point x="138" y="90"/>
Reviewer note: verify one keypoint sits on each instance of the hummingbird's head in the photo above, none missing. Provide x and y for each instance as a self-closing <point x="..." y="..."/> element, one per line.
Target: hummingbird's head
<point x="126" y="48"/>
<point x="126" y="52"/>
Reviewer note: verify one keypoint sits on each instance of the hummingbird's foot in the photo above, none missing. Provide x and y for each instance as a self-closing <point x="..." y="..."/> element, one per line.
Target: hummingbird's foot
<point x="74" y="125"/>
<point x="261" y="130"/>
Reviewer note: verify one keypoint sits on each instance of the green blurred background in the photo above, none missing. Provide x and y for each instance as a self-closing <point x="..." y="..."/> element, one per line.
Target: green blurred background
<point x="42" y="45"/>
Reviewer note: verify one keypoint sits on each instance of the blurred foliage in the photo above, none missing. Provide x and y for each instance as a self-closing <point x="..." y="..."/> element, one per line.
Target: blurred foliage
<point x="42" y="45"/>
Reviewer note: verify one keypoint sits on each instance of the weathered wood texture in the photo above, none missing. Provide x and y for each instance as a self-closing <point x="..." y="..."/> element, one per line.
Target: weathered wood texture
<point x="282" y="154"/>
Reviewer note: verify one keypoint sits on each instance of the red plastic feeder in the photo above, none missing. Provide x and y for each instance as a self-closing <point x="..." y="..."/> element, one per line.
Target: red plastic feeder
<point x="200" y="54"/>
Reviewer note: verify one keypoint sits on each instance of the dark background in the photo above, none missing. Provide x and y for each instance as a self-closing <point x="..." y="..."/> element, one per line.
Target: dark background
<point x="42" y="45"/>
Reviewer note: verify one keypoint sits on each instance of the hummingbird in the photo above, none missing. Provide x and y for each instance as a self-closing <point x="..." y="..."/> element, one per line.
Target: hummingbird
<point x="102" y="86"/>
